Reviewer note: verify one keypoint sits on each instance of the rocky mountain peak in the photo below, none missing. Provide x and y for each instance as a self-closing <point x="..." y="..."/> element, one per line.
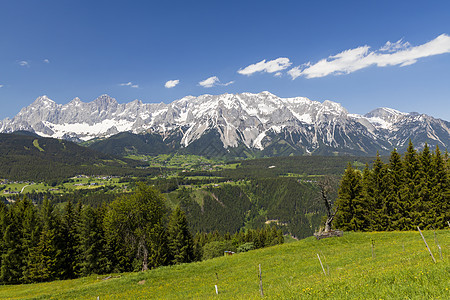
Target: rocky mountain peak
<point x="384" y="117"/>
<point x="257" y="121"/>
<point x="43" y="100"/>
<point x="105" y="100"/>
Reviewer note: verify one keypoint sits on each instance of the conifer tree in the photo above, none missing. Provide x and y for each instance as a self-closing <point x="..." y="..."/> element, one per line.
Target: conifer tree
<point x="46" y="261"/>
<point x="396" y="208"/>
<point x="367" y="195"/>
<point x="2" y="228"/>
<point x="10" y="271"/>
<point x="440" y="191"/>
<point x="20" y="236"/>
<point x="350" y="213"/>
<point x="376" y="194"/>
<point x="410" y="190"/>
<point x="92" y="258"/>
<point x="70" y="241"/>
<point x="180" y="241"/>
<point x="425" y="176"/>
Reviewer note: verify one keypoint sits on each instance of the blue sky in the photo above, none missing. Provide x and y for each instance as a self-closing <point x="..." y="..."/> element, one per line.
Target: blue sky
<point x="386" y="53"/>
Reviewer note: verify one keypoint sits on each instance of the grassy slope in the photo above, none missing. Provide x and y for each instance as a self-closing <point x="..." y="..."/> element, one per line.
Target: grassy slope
<point x="402" y="269"/>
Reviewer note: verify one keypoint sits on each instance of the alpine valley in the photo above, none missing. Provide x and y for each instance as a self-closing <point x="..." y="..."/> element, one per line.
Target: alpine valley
<point x="232" y="125"/>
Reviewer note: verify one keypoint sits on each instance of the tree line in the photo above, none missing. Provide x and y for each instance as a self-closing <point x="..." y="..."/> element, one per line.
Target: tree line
<point x="134" y="232"/>
<point x="408" y="191"/>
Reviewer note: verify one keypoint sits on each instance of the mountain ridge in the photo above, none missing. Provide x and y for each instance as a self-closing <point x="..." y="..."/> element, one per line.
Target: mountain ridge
<point x="255" y="122"/>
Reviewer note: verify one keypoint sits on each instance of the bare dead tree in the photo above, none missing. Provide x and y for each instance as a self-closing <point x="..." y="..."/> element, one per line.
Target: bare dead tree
<point x="327" y="185"/>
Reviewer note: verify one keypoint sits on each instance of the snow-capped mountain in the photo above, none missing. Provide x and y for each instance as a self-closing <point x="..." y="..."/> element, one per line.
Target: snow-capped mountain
<point x="261" y="122"/>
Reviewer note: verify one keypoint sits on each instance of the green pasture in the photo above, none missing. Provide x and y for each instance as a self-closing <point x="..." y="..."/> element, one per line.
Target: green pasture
<point x="399" y="267"/>
<point x="78" y="183"/>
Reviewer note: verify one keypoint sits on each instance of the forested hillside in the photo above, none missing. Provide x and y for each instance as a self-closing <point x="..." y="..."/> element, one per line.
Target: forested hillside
<point x="292" y="206"/>
<point x="134" y="232"/>
<point x="29" y="157"/>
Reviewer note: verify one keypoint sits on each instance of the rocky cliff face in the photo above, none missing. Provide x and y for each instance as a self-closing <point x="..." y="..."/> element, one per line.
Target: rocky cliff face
<point x="255" y="121"/>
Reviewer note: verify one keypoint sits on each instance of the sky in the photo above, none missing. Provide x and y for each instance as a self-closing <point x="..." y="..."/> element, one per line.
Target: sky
<point x="363" y="55"/>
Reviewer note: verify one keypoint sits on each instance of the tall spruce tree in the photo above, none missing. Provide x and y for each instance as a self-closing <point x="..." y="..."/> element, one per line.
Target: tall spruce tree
<point x="92" y="258"/>
<point x="410" y="190"/>
<point x="425" y="176"/>
<point x="350" y="215"/>
<point x="70" y="241"/>
<point x="46" y="261"/>
<point x="180" y="241"/>
<point x="376" y="198"/>
<point x="440" y="191"/>
<point x="367" y="195"/>
<point x="10" y="271"/>
<point x="20" y="236"/>
<point x="396" y="208"/>
<point x="2" y="229"/>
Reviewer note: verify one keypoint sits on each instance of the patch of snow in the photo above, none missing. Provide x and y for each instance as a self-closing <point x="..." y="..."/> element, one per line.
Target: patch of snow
<point x="257" y="143"/>
<point x="84" y="129"/>
<point x="379" y="123"/>
<point x="306" y="118"/>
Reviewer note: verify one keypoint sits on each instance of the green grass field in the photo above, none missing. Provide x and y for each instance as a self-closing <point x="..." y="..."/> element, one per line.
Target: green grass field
<point x="76" y="184"/>
<point x="401" y="269"/>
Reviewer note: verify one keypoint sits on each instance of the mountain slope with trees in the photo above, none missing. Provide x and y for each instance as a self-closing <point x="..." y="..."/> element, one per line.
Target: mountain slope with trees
<point x="34" y="158"/>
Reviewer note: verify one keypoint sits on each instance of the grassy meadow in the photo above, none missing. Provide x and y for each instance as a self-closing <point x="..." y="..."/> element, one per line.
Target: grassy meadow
<point x="400" y="269"/>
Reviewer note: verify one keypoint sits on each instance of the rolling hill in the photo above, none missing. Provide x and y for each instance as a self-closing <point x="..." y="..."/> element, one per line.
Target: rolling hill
<point x="400" y="268"/>
<point x="30" y="157"/>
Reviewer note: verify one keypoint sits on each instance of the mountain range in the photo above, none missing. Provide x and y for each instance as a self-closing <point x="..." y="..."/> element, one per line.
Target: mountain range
<point x="239" y="125"/>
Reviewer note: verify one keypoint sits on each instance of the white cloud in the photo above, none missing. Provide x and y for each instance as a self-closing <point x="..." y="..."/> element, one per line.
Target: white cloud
<point x="270" y="66"/>
<point x="391" y="54"/>
<point x="1" y="85"/>
<point x="227" y="84"/>
<point x="171" y="83"/>
<point x="209" y="82"/>
<point x="24" y="63"/>
<point x="278" y="74"/>
<point x="213" y="81"/>
<point x="130" y="84"/>
<point x="46" y="61"/>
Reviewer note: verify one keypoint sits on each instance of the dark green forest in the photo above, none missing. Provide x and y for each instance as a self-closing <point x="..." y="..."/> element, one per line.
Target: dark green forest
<point x="29" y="157"/>
<point x="291" y="205"/>
<point x="134" y="232"/>
<point x="409" y="191"/>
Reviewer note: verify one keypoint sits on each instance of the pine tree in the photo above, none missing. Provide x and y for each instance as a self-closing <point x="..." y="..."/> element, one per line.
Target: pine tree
<point x="396" y="208"/>
<point x="425" y="176"/>
<point x="410" y="190"/>
<point x="180" y="241"/>
<point x="10" y="271"/>
<point x="46" y="260"/>
<point x="20" y="236"/>
<point x="92" y="258"/>
<point x="3" y="224"/>
<point x="350" y="212"/>
<point x="376" y="200"/>
<point x="70" y="241"/>
<point x="440" y="191"/>
<point x="367" y="195"/>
